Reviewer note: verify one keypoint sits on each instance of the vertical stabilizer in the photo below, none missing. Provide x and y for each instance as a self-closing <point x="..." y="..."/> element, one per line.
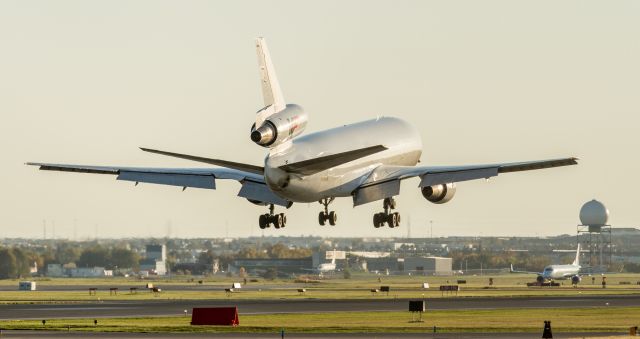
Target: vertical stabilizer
<point x="577" y="261"/>
<point x="271" y="93"/>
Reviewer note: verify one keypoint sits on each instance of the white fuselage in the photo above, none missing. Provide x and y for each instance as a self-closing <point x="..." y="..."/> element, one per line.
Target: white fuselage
<point x="559" y="272"/>
<point x="402" y="140"/>
<point x="327" y="267"/>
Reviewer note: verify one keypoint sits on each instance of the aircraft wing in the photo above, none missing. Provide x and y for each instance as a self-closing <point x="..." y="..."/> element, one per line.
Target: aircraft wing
<point x="253" y="188"/>
<point x="511" y="270"/>
<point x="384" y="181"/>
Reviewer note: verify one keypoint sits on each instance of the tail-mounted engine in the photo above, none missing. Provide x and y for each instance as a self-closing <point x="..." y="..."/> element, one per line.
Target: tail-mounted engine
<point x="280" y="127"/>
<point x="439" y="194"/>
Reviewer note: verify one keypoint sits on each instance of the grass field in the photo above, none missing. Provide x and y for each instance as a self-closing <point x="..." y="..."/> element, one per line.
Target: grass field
<point x="563" y="320"/>
<point x="509" y="285"/>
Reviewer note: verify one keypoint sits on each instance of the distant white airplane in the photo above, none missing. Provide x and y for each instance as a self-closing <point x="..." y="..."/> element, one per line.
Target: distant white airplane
<point x="559" y="272"/>
<point x="365" y="161"/>
<point x="328" y="266"/>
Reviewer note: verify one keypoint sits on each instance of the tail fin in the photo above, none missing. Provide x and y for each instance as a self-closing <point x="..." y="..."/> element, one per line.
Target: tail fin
<point x="577" y="261"/>
<point x="271" y="92"/>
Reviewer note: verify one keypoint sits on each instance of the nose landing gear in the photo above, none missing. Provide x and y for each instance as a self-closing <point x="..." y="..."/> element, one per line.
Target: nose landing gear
<point x="278" y="220"/>
<point x="325" y="215"/>
<point x="391" y="218"/>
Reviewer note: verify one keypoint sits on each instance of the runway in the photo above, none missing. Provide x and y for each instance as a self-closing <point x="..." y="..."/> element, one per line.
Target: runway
<point x="177" y="307"/>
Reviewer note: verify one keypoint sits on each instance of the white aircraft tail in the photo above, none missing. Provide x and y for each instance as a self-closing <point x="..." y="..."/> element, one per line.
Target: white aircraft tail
<point x="271" y="93"/>
<point x="577" y="261"/>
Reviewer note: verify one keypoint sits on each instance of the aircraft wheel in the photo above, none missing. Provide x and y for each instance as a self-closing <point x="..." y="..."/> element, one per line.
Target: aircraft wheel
<point x="397" y="219"/>
<point x="277" y="220"/>
<point x="376" y="220"/>
<point x="284" y="219"/>
<point x="391" y="220"/>
<point x="321" y="218"/>
<point x="263" y="221"/>
<point x="333" y="218"/>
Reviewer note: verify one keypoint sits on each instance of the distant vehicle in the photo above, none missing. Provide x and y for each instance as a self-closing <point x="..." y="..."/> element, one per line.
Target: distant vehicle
<point x="558" y="272"/>
<point x="364" y="161"/>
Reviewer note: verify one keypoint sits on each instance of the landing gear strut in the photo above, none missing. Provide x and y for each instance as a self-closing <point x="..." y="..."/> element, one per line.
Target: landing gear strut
<point x="278" y="220"/>
<point x="325" y="215"/>
<point x="391" y="218"/>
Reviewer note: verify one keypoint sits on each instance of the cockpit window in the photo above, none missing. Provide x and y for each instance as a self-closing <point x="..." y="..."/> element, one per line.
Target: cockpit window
<point x="548" y="269"/>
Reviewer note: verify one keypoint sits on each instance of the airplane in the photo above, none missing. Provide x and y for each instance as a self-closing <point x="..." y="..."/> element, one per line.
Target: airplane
<point x="328" y="266"/>
<point x="365" y="161"/>
<point x="558" y="272"/>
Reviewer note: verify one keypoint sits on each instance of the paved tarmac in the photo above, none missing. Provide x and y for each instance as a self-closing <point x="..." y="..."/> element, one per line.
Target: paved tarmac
<point x="177" y="307"/>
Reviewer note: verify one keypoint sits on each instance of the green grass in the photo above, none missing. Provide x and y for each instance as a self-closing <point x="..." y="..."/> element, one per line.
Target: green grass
<point x="610" y="319"/>
<point x="510" y="285"/>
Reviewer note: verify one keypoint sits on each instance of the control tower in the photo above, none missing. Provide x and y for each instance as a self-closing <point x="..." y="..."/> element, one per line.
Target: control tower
<point x="595" y="235"/>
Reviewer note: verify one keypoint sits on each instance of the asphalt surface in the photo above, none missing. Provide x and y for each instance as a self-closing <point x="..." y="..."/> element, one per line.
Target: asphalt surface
<point x="148" y="308"/>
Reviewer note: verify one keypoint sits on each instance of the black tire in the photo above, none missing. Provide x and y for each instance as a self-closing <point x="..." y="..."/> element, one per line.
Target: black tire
<point x="333" y="218"/>
<point x="391" y="220"/>
<point x="277" y="220"/>
<point x="397" y="219"/>
<point x="284" y="219"/>
<point x="263" y="221"/>
<point x="321" y="218"/>
<point x="376" y="220"/>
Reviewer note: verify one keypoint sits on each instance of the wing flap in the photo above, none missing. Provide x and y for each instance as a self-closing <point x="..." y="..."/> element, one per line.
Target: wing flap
<point x="376" y="192"/>
<point x="431" y="179"/>
<point x="172" y="179"/>
<point x="260" y="192"/>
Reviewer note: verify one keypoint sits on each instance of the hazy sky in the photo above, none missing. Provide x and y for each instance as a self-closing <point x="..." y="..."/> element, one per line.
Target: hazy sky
<point x="88" y="82"/>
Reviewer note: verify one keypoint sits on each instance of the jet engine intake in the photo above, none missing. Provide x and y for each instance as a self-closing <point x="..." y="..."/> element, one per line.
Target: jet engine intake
<point x="439" y="194"/>
<point x="576" y="279"/>
<point x="280" y="127"/>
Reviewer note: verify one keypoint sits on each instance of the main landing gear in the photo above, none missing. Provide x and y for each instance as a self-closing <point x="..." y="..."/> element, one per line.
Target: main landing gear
<point x="278" y="220"/>
<point x="325" y="215"/>
<point x="391" y="218"/>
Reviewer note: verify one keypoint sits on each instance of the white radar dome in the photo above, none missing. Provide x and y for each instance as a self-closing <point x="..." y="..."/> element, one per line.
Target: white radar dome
<point x="594" y="213"/>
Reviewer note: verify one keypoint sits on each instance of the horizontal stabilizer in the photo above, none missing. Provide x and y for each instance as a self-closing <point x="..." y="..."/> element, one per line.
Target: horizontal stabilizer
<point x="218" y="162"/>
<point x="312" y="166"/>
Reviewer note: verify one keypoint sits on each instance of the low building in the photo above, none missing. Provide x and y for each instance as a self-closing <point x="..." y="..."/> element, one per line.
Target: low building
<point x="283" y="266"/>
<point x="55" y="270"/>
<point x="155" y="261"/>
<point x="89" y="272"/>
<point x="153" y="266"/>
<point x="428" y="265"/>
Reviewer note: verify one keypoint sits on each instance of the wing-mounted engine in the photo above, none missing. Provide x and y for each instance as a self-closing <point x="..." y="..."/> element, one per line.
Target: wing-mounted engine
<point x="576" y="279"/>
<point x="280" y="127"/>
<point x="439" y="194"/>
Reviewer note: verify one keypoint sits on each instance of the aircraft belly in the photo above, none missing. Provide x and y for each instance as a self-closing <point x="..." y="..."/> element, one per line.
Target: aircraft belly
<point x="401" y="139"/>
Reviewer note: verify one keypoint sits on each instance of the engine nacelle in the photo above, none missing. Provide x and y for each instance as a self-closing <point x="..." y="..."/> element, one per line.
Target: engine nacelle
<point x="576" y="279"/>
<point x="280" y="127"/>
<point x="439" y="194"/>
